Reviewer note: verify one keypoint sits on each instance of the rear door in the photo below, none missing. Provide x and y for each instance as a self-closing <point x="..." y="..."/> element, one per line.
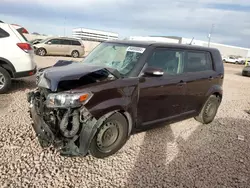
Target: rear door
<point x="162" y="98"/>
<point x="200" y="78"/>
<point x="65" y="47"/>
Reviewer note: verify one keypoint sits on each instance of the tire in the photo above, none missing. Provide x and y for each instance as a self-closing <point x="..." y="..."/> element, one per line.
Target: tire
<point x="209" y="110"/>
<point x="118" y="137"/>
<point x="75" y="54"/>
<point x="41" y="52"/>
<point x="5" y="81"/>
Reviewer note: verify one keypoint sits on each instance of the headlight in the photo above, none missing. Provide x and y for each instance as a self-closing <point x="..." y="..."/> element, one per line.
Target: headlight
<point x="67" y="100"/>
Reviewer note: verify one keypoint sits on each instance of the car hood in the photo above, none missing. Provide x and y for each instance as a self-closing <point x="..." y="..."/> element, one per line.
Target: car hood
<point x="50" y="77"/>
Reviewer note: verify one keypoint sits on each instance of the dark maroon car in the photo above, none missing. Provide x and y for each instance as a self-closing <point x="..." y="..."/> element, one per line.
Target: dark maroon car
<point x="121" y="88"/>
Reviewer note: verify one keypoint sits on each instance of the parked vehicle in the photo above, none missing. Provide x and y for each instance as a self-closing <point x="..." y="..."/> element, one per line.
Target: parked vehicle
<point x="60" y="46"/>
<point x="231" y="59"/>
<point x="246" y="69"/>
<point x="121" y="88"/>
<point x="16" y="56"/>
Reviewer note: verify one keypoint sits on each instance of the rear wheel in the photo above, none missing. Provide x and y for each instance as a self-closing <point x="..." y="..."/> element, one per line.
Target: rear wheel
<point x="75" y="54"/>
<point x="41" y="51"/>
<point x="209" y="110"/>
<point x="5" y="81"/>
<point x="110" y="137"/>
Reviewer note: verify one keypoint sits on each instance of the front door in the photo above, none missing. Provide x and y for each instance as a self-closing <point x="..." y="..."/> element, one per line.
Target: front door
<point x="162" y="98"/>
<point x="53" y="46"/>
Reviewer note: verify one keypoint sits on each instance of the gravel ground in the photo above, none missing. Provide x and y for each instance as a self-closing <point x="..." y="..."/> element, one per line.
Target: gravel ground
<point x="184" y="154"/>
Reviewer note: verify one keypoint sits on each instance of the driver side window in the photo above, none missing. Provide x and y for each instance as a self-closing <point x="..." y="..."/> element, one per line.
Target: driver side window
<point x="171" y="61"/>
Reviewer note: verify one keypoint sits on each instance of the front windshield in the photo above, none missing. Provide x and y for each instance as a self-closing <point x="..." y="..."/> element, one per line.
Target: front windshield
<point x="118" y="56"/>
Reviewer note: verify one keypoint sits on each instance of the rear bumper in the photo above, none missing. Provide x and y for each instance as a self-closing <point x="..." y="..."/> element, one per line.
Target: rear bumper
<point x="25" y="73"/>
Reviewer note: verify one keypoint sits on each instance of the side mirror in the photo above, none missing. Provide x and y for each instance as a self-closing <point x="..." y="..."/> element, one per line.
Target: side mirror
<point x="49" y="43"/>
<point x="152" y="71"/>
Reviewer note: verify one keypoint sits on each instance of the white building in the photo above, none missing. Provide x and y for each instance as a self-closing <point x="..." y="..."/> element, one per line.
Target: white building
<point x="225" y="50"/>
<point x="93" y="35"/>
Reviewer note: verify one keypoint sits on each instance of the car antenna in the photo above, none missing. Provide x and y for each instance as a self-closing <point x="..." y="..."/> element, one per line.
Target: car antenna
<point x="191" y="41"/>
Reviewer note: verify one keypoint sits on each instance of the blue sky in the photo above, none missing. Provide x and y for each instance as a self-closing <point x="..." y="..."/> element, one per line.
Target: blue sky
<point x="186" y="18"/>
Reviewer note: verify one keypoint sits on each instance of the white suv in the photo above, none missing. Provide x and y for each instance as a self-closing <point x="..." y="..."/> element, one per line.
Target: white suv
<point x="16" y="56"/>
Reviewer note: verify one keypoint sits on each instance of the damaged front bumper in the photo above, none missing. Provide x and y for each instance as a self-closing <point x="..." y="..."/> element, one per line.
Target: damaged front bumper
<point x="76" y="145"/>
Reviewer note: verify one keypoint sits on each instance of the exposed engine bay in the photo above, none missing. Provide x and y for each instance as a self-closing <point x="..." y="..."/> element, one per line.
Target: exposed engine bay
<point x="59" y="115"/>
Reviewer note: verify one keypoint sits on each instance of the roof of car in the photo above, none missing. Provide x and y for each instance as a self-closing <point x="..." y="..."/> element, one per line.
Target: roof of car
<point x="48" y="38"/>
<point x="161" y="44"/>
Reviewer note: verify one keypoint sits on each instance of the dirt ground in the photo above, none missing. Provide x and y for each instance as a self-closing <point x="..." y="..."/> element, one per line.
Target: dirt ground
<point x="184" y="154"/>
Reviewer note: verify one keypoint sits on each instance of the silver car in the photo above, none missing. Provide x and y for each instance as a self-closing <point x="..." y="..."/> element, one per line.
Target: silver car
<point x="60" y="46"/>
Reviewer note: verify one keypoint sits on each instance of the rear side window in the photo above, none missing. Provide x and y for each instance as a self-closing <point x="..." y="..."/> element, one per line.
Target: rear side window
<point x="76" y="43"/>
<point x="198" y="61"/>
<point x="20" y="31"/>
<point x="3" y="33"/>
<point x="66" y="42"/>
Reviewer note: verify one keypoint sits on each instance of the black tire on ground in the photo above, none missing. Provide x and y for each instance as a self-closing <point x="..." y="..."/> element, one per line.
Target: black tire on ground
<point x="75" y="54"/>
<point x="209" y="110"/>
<point x="106" y="143"/>
<point x="41" y="52"/>
<point x="5" y="81"/>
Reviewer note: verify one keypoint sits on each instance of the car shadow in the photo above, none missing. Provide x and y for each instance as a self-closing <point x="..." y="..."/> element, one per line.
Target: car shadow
<point x="23" y="84"/>
<point x="5" y="101"/>
<point x="214" y="155"/>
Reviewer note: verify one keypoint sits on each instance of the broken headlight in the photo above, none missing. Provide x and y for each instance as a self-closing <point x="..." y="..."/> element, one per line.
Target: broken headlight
<point x="67" y="100"/>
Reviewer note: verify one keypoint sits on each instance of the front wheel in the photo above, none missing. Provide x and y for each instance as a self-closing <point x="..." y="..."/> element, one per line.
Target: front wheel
<point x="41" y="51"/>
<point x="5" y="81"/>
<point x="209" y="110"/>
<point x="110" y="137"/>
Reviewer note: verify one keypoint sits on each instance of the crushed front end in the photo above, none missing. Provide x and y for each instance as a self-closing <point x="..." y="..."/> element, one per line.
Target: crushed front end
<point x="57" y="125"/>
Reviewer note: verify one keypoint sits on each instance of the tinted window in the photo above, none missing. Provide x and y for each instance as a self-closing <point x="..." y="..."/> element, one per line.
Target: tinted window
<point x="198" y="61"/>
<point x="3" y="33"/>
<point x="54" y="41"/>
<point x="77" y="43"/>
<point x="66" y="42"/>
<point x="171" y="61"/>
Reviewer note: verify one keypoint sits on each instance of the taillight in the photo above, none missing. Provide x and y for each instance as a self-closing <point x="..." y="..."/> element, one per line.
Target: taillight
<point x="24" y="46"/>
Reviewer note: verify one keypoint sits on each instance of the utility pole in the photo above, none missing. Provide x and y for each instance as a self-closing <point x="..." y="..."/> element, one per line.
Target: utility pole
<point x="64" y="32"/>
<point x="209" y="35"/>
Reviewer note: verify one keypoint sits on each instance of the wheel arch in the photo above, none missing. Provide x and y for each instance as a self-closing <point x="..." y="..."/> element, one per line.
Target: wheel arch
<point x="7" y="65"/>
<point x="91" y="127"/>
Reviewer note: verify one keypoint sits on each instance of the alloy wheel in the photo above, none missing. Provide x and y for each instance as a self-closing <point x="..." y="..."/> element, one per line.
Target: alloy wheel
<point x="75" y="54"/>
<point x="2" y="81"/>
<point x="41" y="52"/>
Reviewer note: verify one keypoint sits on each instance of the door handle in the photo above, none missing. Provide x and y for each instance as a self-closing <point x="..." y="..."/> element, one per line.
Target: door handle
<point x="211" y="78"/>
<point x="181" y="83"/>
